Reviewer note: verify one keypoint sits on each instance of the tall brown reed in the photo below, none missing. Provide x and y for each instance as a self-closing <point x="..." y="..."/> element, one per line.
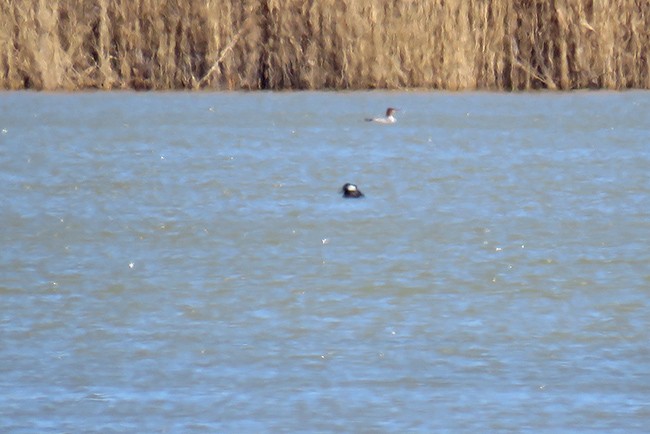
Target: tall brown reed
<point x="310" y="44"/>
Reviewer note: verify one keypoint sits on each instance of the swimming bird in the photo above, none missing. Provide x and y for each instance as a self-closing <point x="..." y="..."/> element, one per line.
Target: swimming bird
<point x="351" y="191"/>
<point x="389" y="119"/>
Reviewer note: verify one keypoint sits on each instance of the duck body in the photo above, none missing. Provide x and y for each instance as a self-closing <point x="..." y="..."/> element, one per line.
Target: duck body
<point x="388" y="119"/>
<point x="350" y="191"/>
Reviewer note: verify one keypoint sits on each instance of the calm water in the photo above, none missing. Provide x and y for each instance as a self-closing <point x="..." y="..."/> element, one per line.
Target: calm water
<point x="183" y="262"/>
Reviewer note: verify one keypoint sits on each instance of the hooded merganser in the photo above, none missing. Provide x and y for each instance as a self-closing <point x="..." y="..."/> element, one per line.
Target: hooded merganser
<point x="351" y="191"/>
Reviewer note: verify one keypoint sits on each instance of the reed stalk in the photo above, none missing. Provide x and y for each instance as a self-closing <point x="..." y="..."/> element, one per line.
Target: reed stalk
<point x="324" y="44"/>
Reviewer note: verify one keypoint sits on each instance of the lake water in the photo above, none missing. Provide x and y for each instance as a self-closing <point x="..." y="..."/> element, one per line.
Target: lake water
<point x="184" y="262"/>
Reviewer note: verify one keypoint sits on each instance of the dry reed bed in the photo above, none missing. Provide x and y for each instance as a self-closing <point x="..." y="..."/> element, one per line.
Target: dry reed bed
<point x="314" y="44"/>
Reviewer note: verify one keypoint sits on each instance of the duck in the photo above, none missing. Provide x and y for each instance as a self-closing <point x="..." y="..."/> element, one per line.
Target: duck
<point x="351" y="191"/>
<point x="388" y="119"/>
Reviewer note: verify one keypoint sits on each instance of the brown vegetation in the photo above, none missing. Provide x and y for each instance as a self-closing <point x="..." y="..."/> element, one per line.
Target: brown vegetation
<point x="315" y="44"/>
